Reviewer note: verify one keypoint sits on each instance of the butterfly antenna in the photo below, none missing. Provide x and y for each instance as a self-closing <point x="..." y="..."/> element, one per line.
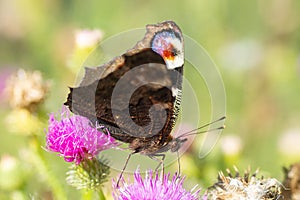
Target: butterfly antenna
<point x="192" y="132"/>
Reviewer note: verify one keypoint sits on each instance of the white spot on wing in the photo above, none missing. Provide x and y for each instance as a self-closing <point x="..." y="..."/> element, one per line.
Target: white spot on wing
<point x="175" y="91"/>
<point x="179" y="58"/>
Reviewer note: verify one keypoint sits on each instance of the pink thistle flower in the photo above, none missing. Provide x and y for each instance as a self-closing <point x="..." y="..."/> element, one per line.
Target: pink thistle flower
<point x="74" y="138"/>
<point x="154" y="187"/>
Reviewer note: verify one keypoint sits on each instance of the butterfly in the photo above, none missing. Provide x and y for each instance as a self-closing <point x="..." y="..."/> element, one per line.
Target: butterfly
<point x="137" y="96"/>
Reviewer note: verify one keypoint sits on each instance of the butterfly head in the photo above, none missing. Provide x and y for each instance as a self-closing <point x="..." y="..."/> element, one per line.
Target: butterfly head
<point x="169" y="44"/>
<point x="176" y="144"/>
<point x="172" y="144"/>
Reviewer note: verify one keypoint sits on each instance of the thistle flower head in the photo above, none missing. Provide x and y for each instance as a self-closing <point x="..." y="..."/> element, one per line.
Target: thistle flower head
<point x="74" y="138"/>
<point x="12" y="173"/>
<point x="23" y="122"/>
<point x="89" y="174"/>
<point x="244" y="187"/>
<point x="88" y="38"/>
<point x="154" y="187"/>
<point x="26" y="89"/>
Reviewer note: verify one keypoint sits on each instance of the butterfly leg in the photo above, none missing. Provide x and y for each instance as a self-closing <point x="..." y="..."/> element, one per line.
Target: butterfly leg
<point x="161" y="162"/>
<point x="126" y="162"/>
<point x="178" y="161"/>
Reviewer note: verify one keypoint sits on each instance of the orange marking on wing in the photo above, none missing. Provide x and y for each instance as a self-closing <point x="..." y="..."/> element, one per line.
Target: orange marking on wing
<point x="168" y="53"/>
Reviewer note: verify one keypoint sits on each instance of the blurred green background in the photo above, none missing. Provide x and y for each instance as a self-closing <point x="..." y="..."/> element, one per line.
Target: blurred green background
<point x="255" y="44"/>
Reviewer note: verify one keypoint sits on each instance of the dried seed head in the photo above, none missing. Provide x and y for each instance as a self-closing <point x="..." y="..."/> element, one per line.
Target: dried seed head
<point x="247" y="186"/>
<point x="26" y="89"/>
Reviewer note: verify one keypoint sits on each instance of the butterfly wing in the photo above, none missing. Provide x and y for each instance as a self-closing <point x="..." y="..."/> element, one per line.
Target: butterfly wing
<point x="136" y="95"/>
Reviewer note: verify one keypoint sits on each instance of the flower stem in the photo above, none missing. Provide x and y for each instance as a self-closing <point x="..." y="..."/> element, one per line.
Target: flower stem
<point x="101" y="194"/>
<point x="43" y="169"/>
<point x="86" y="194"/>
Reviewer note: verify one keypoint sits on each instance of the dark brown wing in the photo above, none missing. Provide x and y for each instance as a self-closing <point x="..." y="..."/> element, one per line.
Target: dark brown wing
<point x="95" y="100"/>
<point x="131" y="95"/>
